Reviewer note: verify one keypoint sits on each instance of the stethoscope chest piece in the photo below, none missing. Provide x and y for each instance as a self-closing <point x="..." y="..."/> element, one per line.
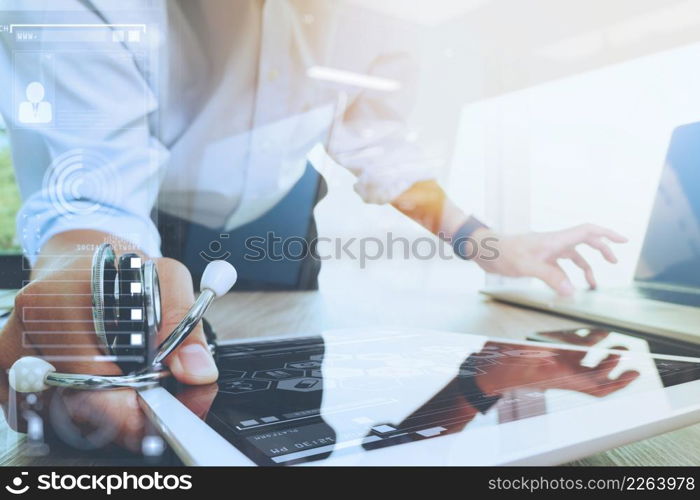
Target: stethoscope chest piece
<point x="126" y="306"/>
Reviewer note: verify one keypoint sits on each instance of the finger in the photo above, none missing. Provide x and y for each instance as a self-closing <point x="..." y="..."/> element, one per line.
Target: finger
<point x="579" y="234"/>
<point x="603" y="369"/>
<point x="609" y="386"/>
<point x="554" y="276"/>
<point x="604" y="232"/>
<point x="593" y="336"/>
<point x="578" y="259"/>
<point x="191" y="363"/>
<point x="600" y="374"/>
<point x="603" y="248"/>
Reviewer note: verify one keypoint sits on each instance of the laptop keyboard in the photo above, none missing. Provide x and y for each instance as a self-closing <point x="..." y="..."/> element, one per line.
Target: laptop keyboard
<point x="674" y="297"/>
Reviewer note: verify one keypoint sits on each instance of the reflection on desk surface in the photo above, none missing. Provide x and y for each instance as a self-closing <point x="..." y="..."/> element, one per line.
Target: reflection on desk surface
<point x="296" y="400"/>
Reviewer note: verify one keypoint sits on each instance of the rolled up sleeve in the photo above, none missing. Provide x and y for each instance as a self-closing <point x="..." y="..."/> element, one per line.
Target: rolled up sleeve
<point x="77" y="174"/>
<point x="374" y="139"/>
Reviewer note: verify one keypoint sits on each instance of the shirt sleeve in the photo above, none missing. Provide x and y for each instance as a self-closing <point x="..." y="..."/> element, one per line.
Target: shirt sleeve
<point x="373" y="139"/>
<point x="96" y="164"/>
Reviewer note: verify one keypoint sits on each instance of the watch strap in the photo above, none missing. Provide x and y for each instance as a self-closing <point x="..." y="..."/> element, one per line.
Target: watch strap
<point x="472" y="392"/>
<point x="461" y="237"/>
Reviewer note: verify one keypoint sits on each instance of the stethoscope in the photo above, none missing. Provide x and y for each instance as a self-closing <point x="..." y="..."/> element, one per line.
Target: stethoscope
<point x="126" y="312"/>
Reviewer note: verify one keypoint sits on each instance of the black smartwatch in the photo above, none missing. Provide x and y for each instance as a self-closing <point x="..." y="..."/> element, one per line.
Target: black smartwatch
<point x="461" y="237"/>
<point x="475" y="396"/>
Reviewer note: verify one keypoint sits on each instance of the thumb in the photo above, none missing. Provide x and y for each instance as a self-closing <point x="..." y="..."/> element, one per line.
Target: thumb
<point x="191" y="362"/>
<point x="554" y="276"/>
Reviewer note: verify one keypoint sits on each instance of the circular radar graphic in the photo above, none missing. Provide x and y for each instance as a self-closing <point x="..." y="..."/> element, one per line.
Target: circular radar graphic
<point x="82" y="183"/>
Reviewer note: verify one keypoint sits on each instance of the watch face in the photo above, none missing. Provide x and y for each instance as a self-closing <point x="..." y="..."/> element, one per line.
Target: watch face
<point x="347" y="394"/>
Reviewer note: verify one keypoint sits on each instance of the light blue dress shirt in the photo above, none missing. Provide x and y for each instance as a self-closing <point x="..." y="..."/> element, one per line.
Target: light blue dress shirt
<point x="203" y="109"/>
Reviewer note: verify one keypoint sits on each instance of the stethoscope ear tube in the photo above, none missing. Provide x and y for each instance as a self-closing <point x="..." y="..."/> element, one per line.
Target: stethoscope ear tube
<point x="30" y="374"/>
<point x="135" y="380"/>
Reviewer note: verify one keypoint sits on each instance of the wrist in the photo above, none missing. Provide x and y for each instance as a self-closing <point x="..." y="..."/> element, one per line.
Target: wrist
<point x="450" y="222"/>
<point x="73" y="251"/>
<point x="489" y="386"/>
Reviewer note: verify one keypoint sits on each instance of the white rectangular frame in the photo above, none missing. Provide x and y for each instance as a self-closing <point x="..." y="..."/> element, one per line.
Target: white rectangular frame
<point x="610" y="424"/>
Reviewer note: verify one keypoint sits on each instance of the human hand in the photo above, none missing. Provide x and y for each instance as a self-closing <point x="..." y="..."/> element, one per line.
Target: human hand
<point x="53" y="319"/>
<point x="552" y="368"/>
<point x="538" y="254"/>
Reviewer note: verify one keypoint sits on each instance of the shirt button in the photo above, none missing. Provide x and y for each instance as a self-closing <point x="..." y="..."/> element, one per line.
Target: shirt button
<point x="272" y="75"/>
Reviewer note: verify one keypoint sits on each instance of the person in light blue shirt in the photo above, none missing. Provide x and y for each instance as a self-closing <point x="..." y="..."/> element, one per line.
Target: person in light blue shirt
<point x="207" y="111"/>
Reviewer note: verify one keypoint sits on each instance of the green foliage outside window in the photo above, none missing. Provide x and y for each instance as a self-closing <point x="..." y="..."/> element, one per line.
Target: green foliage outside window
<point x="9" y="199"/>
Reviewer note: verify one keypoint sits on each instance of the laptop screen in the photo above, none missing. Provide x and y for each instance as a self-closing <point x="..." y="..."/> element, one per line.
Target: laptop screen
<point x="671" y="251"/>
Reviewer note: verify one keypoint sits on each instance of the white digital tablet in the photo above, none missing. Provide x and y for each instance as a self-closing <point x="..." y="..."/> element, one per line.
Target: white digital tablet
<point x="386" y="397"/>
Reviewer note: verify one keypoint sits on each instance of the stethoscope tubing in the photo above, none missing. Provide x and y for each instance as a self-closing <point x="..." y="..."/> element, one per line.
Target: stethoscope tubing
<point x="86" y="382"/>
<point x="80" y="381"/>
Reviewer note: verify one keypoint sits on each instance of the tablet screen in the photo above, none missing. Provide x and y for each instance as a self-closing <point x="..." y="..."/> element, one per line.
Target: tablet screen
<point x="296" y="400"/>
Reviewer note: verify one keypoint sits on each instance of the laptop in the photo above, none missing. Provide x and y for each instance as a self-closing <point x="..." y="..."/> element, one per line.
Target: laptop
<point x="664" y="298"/>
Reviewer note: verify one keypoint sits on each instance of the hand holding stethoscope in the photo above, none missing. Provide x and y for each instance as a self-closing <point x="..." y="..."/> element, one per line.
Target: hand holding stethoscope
<point x="126" y="303"/>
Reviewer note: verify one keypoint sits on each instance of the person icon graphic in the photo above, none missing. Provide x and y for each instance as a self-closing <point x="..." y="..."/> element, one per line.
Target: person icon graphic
<point x="35" y="109"/>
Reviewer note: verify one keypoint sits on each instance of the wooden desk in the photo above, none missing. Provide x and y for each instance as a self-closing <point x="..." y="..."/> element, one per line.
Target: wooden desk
<point x="261" y="314"/>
